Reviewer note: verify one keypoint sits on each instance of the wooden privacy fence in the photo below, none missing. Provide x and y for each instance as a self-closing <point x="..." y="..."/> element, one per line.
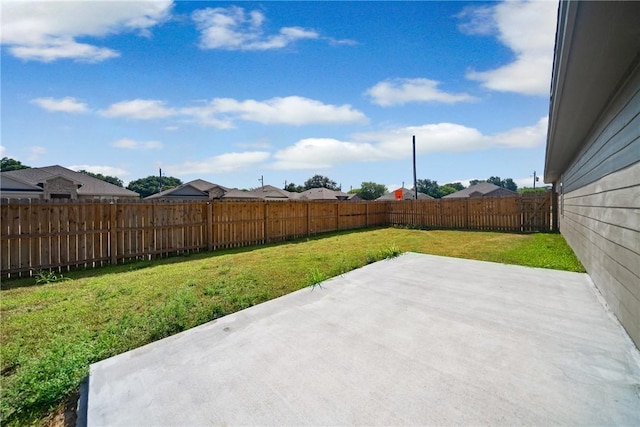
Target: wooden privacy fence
<point x="522" y="213"/>
<point x="62" y="234"/>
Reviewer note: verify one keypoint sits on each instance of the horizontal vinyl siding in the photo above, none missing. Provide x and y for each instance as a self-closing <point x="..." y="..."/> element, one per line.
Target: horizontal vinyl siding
<point x="600" y="205"/>
<point x="601" y="222"/>
<point x="615" y="143"/>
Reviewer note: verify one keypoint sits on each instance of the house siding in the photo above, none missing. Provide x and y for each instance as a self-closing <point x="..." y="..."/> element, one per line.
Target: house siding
<point x="600" y="205"/>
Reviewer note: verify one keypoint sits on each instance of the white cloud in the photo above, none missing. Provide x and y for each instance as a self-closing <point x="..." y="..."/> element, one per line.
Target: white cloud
<point x="524" y="137"/>
<point x="263" y="145"/>
<point x="132" y="145"/>
<point x="3" y="151"/>
<point x="528" y="29"/>
<point x="232" y="28"/>
<point x="142" y="109"/>
<point x="223" y="163"/>
<point x="104" y="170"/>
<point x="438" y="137"/>
<point x="67" y="104"/>
<point x="323" y="153"/>
<point x="314" y="153"/>
<point x="400" y="91"/>
<point x="35" y="152"/>
<point x="47" y="30"/>
<point x="477" y="20"/>
<point x="290" y="110"/>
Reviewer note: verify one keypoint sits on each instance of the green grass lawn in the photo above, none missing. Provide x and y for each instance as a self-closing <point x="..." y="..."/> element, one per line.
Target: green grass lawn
<point x="52" y="332"/>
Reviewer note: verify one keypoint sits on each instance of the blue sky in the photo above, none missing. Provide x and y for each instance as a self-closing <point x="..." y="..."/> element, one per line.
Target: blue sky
<point x="232" y="91"/>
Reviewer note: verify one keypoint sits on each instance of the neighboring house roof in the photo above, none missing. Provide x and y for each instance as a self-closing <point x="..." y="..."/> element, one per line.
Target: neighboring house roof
<point x="196" y="189"/>
<point x="271" y="192"/>
<point x="200" y="189"/>
<point x="268" y="192"/>
<point x="588" y="54"/>
<point x="406" y="195"/>
<point x="323" y="194"/>
<point x="234" y="193"/>
<point x="482" y="189"/>
<point x="11" y="183"/>
<point x="88" y="185"/>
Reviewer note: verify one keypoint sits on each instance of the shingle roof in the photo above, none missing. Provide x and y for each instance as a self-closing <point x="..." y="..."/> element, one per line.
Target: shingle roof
<point x="406" y="195"/>
<point x="271" y="192"/>
<point x="89" y="186"/>
<point x="479" y="190"/>
<point x="198" y="184"/>
<point x="323" y="194"/>
<point x="234" y="193"/>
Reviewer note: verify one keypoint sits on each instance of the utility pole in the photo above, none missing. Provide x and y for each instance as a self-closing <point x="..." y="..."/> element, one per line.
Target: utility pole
<point x="535" y="178"/>
<point x="261" y="181"/>
<point x="160" y="181"/>
<point x="415" y="181"/>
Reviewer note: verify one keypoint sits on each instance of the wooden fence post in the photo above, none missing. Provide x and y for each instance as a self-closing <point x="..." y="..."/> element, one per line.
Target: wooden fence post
<point x="366" y="215"/>
<point x="209" y="226"/>
<point x="113" y="233"/>
<point x="266" y="221"/>
<point x="466" y="213"/>
<point x="308" y="218"/>
<point x="554" y="208"/>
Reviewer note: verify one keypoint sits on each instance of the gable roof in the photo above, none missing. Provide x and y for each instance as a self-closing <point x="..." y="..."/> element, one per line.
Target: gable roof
<point x="323" y="194"/>
<point x="271" y="192"/>
<point x="198" y="188"/>
<point x="89" y="186"/>
<point x="11" y="183"/>
<point x="482" y="189"/>
<point x="406" y="195"/>
<point x="234" y="193"/>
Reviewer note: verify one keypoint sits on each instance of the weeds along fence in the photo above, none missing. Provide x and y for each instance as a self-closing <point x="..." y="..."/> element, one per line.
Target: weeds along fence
<point x="66" y="234"/>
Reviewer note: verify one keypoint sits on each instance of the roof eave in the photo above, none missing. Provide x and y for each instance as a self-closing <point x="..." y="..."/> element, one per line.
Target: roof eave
<point x="597" y="43"/>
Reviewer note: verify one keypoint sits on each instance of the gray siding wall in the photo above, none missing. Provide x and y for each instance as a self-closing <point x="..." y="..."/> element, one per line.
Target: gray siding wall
<point x="600" y="205"/>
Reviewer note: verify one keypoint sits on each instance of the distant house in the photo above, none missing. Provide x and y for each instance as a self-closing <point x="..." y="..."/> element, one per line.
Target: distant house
<point x="322" y="194"/>
<point x="57" y="182"/>
<point x="593" y="146"/>
<point x="406" y="195"/>
<point x="269" y="192"/>
<point x="482" y="189"/>
<point x="198" y="189"/>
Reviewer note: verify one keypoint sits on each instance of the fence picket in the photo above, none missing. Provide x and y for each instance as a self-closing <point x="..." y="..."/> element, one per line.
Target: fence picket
<point x="40" y="234"/>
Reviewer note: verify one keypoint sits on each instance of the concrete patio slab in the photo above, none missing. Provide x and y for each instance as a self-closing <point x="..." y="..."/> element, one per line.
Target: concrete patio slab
<point x="416" y="340"/>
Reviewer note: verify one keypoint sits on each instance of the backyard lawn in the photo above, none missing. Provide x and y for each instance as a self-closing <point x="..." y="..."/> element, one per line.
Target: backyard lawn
<point x="51" y="332"/>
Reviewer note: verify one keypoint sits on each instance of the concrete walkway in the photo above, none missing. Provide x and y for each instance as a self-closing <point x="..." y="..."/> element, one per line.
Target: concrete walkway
<point x="416" y="340"/>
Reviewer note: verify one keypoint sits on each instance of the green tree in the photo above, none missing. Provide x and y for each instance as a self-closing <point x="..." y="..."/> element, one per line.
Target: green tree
<point x="456" y="185"/>
<point x="293" y="188"/>
<point x="504" y="183"/>
<point x="110" y="179"/>
<point x="151" y="185"/>
<point x="429" y="187"/>
<point x="9" y="164"/>
<point x="529" y="190"/>
<point x="476" y="181"/>
<point x="444" y="190"/>
<point x="320" y="181"/>
<point x="371" y="190"/>
<point x="509" y="184"/>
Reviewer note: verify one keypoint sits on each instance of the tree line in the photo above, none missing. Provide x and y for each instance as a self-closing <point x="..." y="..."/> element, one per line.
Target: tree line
<point x="368" y="190"/>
